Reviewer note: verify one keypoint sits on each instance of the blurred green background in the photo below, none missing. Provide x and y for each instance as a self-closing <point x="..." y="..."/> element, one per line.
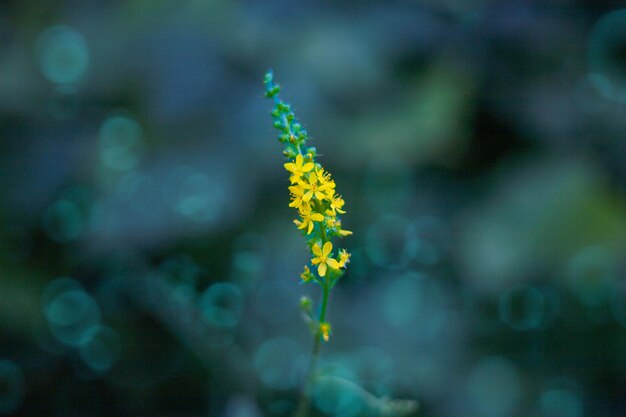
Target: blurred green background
<point x="148" y="262"/>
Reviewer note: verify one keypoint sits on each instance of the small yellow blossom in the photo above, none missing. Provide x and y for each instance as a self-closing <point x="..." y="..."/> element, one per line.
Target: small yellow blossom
<point x="331" y="219"/>
<point x="344" y="258"/>
<point x="306" y="276"/>
<point x="336" y="203"/>
<point x="324" y="177"/>
<point x="313" y="188"/>
<point x="340" y="230"/>
<point x="323" y="258"/>
<point x="296" y="194"/>
<point x="308" y="217"/>
<point x="325" y="330"/>
<point x="298" y="168"/>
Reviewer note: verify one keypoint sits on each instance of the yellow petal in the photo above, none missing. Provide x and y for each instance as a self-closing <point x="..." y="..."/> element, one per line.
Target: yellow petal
<point x="299" y="160"/>
<point x="296" y="189"/>
<point x="327" y="248"/>
<point x="345" y="232"/>
<point x="321" y="270"/>
<point x="290" y="166"/>
<point x="310" y="228"/>
<point x="307" y="167"/>
<point x="315" y="261"/>
<point x="333" y="263"/>
<point x="317" y="217"/>
<point x="325" y="331"/>
<point x="317" y="250"/>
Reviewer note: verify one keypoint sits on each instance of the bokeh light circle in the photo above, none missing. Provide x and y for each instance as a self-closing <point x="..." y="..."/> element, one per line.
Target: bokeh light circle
<point x="199" y="198"/>
<point x="101" y="348"/>
<point x="120" y="142"/>
<point x="606" y="56"/>
<point x="279" y="363"/>
<point x="63" y="54"/>
<point x="194" y="195"/>
<point x="11" y="387"/>
<point x="59" y="286"/>
<point x="221" y="304"/>
<point x="561" y="403"/>
<point x="70" y="315"/>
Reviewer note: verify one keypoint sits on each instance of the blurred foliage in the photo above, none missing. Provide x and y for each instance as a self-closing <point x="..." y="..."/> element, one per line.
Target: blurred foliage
<point x="148" y="265"/>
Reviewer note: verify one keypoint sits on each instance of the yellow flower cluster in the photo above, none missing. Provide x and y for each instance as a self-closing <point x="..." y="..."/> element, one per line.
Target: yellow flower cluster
<point x="313" y="195"/>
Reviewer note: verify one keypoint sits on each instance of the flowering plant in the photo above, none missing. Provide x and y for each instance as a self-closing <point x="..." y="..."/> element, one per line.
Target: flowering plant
<point x="314" y="197"/>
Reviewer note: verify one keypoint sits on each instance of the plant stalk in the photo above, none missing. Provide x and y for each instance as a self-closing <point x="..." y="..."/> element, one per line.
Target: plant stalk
<point x="305" y="399"/>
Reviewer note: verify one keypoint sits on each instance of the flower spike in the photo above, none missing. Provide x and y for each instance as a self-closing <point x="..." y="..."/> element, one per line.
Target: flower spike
<point x="312" y="194"/>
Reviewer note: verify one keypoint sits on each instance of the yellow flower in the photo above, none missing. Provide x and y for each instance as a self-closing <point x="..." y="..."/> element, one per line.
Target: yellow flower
<point x="308" y="217"/>
<point x="324" y="177"/>
<point x="344" y="258"/>
<point x="331" y="219"/>
<point x="306" y="276"/>
<point x="340" y="230"/>
<point x="325" y="330"/>
<point x="323" y="258"/>
<point x="336" y="203"/>
<point x="314" y="188"/>
<point x="298" y="168"/>
<point x="296" y="194"/>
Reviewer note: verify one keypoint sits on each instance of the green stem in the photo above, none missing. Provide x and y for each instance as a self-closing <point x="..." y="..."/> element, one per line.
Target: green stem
<point x="325" y="297"/>
<point x="305" y="399"/>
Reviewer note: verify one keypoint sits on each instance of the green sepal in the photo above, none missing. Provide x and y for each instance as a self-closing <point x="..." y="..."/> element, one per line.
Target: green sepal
<point x="271" y="92"/>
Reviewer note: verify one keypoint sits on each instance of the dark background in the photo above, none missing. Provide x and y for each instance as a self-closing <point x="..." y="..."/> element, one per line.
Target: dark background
<point x="148" y="262"/>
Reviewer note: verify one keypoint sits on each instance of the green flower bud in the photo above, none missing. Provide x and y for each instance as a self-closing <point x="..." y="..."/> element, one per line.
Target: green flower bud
<point x="306" y="304"/>
<point x="290" y="153"/>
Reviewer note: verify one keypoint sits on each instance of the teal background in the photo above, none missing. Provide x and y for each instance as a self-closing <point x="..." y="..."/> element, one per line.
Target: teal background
<point x="148" y="260"/>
